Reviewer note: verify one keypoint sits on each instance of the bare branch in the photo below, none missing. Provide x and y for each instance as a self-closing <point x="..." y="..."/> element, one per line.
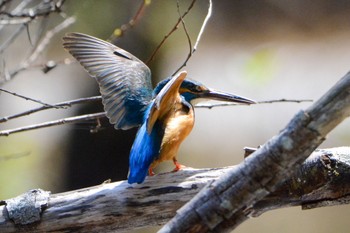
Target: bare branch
<point x="114" y="207"/>
<point x="28" y="98"/>
<point x="184" y="26"/>
<point x="11" y="38"/>
<point x="44" y="8"/>
<point x="204" y="24"/>
<point x="176" y="26"/>
<point x="43" y="44"/>
<point x="68" y="120"/>
<point x="192" y="51"/>
<point x="118" y="32"/>
<point x="210" y="106"/>
<point x="57" y="105"/>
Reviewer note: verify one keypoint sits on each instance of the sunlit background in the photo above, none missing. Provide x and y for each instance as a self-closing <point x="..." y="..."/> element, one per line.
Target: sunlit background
<point x="263" y="50"/>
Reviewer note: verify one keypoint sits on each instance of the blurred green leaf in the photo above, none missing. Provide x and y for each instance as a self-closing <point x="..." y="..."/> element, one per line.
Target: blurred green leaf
<point x="261" y="67"/>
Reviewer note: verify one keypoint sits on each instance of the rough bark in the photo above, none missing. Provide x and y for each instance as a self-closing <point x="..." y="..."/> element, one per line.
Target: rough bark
<point x="322" y="180"/>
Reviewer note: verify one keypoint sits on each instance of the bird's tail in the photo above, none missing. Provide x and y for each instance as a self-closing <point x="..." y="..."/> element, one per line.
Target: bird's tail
<point x="137" y="175"/>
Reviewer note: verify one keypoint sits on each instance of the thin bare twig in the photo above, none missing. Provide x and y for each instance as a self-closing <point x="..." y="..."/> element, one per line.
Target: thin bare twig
<point x="28" y="98"/>
<point x="118" y="32"/>
<point x="68" y="120"/>
<point x="192" y="51"/>
<point x="206" y="19"/>
<point x="187" y="35"/>
<point x="20" y="7"/>
<point x="210" y="106"/>
<point x="64" y="104"/>
<point x="176" y="26"/>
<point x="44" y="8"/>
<point x="43" y="44"/>
<point x="11" y="38"/>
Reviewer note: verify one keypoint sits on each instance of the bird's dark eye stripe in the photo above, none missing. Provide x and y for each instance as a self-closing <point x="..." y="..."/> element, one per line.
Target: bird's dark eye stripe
<point x="121" y="55"/>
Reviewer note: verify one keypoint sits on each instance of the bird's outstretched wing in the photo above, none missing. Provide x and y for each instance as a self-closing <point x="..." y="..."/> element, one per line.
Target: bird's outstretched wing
<point x="124" y="80"/>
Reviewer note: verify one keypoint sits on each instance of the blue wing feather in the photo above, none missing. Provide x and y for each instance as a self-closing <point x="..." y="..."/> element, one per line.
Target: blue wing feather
<point x="144" y="151"/>
<point x="124" y="80"/>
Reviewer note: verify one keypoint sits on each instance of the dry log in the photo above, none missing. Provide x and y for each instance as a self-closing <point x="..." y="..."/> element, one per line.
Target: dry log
<point x="322" y="180"/>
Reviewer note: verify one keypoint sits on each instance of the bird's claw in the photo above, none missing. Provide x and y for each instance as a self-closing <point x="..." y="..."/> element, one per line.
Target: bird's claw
<point x="150" y="172"/>
<point x="178" y="166"/>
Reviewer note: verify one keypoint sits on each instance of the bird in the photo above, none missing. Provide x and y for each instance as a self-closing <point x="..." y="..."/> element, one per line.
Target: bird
<point x="164" y="115"/>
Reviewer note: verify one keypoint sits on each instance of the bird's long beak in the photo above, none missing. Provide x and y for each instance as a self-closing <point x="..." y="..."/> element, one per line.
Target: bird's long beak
<point x="222" y="96"/>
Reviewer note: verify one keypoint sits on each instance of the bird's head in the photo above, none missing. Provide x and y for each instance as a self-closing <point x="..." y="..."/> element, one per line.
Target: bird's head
<point x="193" y="91"/>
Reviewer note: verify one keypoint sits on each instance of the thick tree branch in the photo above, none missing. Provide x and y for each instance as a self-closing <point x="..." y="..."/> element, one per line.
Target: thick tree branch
<point x="322" y="178"/>
<point x="224" y="204"/>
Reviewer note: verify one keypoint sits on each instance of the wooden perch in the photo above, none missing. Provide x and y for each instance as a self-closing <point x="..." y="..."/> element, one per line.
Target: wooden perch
<point x="323" y="179"/>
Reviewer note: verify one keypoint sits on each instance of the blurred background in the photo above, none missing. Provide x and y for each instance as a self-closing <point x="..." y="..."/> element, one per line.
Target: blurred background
<point x="262" y="50"/>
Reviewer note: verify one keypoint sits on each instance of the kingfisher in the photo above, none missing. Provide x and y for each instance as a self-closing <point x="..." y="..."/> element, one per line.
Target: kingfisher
<point x="164" y="115"/>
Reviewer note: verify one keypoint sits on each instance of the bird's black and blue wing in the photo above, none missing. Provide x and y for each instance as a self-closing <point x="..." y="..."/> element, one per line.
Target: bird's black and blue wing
<point x="124" y="80"/>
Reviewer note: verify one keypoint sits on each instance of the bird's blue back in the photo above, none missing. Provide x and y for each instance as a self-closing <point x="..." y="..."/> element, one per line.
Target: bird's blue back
<point x="144" y="151"/>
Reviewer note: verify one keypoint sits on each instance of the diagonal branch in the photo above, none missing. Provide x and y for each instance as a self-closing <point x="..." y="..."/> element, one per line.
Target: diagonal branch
<point x="28" y="98"/>
<point x="118" y="32"/>
<point x="193" y="50"/>
<point x="176" y="26"/>
<point x="42" y="45"/>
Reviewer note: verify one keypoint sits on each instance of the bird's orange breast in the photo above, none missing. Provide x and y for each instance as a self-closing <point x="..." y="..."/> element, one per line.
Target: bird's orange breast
<point x="178" y="124"/>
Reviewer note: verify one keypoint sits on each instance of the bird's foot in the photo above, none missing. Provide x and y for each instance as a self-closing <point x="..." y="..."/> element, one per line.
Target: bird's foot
<point x="178" y="166"/>
<point x="150" y="172"/>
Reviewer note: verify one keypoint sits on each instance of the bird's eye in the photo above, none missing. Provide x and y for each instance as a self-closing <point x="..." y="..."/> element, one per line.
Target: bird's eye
<point x="198" y="88"/>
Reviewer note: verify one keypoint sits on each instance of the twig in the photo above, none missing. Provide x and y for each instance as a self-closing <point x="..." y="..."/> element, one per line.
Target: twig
<point x="176" y="26"/>
<point x="210" y="106"/>
<point x="44" y="8"/>
<point x="184" y="26"/>
<point x="17" y="9"/>
<point x="187" y="35"/>
<point x="206" y="19"/>
<point x="118" y="32"/>
<point x="28" y="98"/>
<point x="11" y="39"/>
<point x="43" y="44"/>
<point x="57" y="105"/>
<point x="68" y="120"/>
